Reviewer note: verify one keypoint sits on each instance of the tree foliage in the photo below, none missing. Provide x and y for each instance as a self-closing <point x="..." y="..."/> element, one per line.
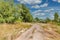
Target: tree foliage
<point x="10" y="12"/>
<point x="56" y="17"/>
<point x="47" y="20"/>
<point x="36" y="19"/>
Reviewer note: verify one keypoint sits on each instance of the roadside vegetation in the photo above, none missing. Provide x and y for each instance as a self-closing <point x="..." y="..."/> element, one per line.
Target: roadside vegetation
<point x="11" y="30"/>
<point x="15" y="17"/>
<point x="12" y="13"/>
<point x="16" y="13"/>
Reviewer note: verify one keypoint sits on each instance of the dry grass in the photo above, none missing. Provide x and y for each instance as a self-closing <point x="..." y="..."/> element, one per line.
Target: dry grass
<point x="11" y="29"/>
<point x="52" y="31"/>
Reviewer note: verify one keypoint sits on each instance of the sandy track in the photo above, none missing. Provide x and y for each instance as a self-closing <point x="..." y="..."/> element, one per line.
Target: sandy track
<point x="34" y="33"/>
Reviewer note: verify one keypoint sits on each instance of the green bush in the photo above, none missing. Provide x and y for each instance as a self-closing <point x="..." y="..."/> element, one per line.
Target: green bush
<point x="11" y="12"/>
<point x="2" y="20"/>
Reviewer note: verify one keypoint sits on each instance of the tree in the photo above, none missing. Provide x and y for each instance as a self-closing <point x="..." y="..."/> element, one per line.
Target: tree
<point x="37" y="19"/>
<point x="10" y="12"/>
<point x="47" y="20"/>
<point x="56" y="17"/>
<point x="27" y="17"/>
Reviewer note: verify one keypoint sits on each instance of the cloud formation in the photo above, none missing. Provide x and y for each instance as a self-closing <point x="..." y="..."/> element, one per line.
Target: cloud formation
<point x="44" y="5"/>
<point x="57" y="1"/>
<point x="38" y="13"/>
<point x="43" y="13"/>
<point x="40" y="6"/>
<point x="49" y="10"/>
<point x="34" y="3"/>
<point x="31" y="2"/>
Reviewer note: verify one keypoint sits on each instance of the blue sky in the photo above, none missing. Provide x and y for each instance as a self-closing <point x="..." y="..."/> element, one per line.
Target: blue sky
<point x="42" y="8"/>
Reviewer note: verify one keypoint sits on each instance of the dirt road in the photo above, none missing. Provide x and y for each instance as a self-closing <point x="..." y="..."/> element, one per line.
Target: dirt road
<point x="34" y="33"/>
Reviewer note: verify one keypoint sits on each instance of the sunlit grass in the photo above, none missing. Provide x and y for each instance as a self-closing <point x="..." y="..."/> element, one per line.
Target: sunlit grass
<point x="7" y="30"/>
<point x="52" y="31"/>
<point x="12" y="29"/>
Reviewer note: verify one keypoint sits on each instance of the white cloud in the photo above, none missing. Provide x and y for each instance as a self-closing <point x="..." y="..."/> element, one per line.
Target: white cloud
<point x="44" y="5"/>
<point x="38" y="13"/>
<point x="36" y="6"/>
<point x="34" y="3"/>
<point x="51" y="16"/>
<point x="42" y="14"/>
<point x="57" y="1"/>
<point x="40" y="6"/>
<point x="49" y="10"/>
<point x="30" y="1"/>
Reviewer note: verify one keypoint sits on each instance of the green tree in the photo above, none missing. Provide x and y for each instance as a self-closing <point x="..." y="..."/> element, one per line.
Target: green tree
<point x="10" y="12"/>
<point x="27" y="17"/>
<point x="47" y="20"/>
<point x="37" y="19"/>
<point x="56" y="17"/>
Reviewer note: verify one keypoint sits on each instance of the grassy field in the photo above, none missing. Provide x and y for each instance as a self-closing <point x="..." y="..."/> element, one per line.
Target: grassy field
<point x="7" y="30"/>
<point x="12" y="29"/>
<point x="52" y="31"/>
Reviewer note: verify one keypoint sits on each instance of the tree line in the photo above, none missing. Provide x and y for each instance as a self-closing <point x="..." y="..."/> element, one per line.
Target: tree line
<point x="47" y="20"/>
<point x="11" y="13"/>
